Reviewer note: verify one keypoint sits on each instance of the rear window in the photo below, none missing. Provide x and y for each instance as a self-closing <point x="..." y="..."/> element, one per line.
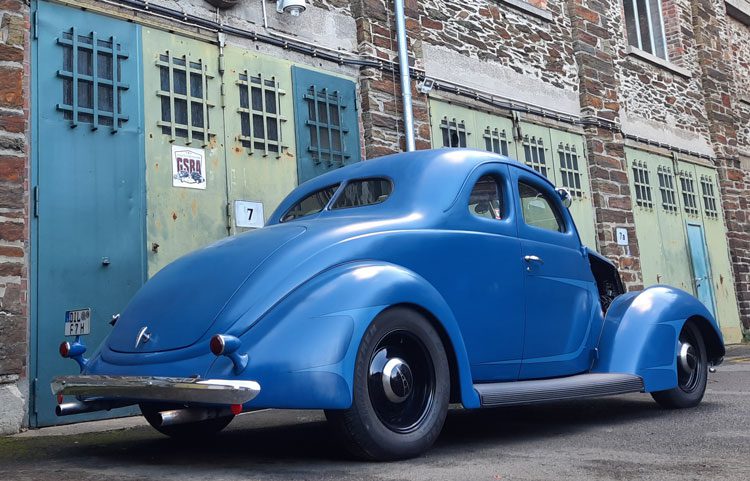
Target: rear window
<point x="358" y="193"/>
<point x="312" y="204"/>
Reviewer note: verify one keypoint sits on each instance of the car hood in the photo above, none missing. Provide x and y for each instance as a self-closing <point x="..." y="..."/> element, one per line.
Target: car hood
<point x="182" y="301"/>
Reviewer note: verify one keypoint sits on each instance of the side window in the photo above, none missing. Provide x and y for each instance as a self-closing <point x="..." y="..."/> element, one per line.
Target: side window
<point x="538" y="210"/>
<point x="358" y="193"/>
<point x="312" y="204"/>
<point x="486" y="199"/>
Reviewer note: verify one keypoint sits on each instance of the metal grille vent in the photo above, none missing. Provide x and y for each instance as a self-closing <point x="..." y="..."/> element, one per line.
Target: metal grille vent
<point x="260" y="114"/>
<point x="533" y="149"/>
<point x="688" y="193"/>
<point x="496" y="140"/>
<point x="709" y="198"/>
<point x="666" y="188"/>
<point x="454" y="132"/>
<point x="327" y="134"/>
<point x="569" y="169"/>
<point x="642" y="185"/>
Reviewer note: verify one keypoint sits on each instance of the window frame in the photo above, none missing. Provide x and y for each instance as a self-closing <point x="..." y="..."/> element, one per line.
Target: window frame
<point x="500" y="190"/>
<point x="637" y="27"/>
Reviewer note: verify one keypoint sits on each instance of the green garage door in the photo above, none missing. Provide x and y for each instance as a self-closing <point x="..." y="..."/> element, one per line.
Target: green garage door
<point x="681" y="232"/>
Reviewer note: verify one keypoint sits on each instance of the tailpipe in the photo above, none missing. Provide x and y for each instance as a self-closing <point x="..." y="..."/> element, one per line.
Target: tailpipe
<point x="80" y="407"/>
<point x="192" y="415"/>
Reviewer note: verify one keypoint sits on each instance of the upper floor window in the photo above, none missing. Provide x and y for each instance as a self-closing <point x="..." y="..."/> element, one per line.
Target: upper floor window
<point x="485" y="199"/>
<point x="645" y="26"/>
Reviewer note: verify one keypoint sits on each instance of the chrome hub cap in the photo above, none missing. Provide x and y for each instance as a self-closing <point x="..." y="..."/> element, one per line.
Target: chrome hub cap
<point x="397" y="380"/>
<point x="687" y="358"/>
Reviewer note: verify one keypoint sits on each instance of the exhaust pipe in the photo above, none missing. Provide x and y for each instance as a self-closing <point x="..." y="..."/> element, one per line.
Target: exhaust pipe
<point x="191" y="415"/>
<point x="80" y="407"/>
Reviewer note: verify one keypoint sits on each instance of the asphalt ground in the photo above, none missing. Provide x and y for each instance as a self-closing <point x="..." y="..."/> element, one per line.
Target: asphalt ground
<point x="616" y="438"/>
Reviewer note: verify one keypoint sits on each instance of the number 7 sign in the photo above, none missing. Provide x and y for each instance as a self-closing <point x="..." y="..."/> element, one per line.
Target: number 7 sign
<point x="248" y="214"/>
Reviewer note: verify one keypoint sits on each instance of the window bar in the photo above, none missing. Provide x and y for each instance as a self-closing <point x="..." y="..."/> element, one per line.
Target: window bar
<point x="249" y="110"/>
<point x="74" y="122"/>
<point x="317" y="122"/>
<point x="115" y="86"/>
<point x="204" y="100"/>
<point x="172" y="115"/>
<point x="637" y="23"/>
<point x="650" y="27"/>
<point x="188" y="99"/>
<point x="330" y="125"/>
<point x="94" y="81"/>
<point x="263" y="113"/>
<point x="277" y="98"/>
<point x="341" y="129"/>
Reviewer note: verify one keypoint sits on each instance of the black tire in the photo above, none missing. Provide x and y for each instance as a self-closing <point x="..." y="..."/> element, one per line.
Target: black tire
<point x="192" y="431"/>
<point x="398" y="416"/>
<point x="692" y="372"/>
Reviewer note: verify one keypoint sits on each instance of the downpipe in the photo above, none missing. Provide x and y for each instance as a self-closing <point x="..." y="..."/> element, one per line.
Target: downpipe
<point x="403" y="68"/>
<point x="191" y="415"/>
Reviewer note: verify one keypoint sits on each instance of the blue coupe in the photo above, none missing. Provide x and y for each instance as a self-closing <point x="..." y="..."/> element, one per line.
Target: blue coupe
<point x="385" y="290"/>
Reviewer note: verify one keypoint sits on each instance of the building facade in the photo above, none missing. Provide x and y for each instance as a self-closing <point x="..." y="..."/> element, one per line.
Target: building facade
<point x="132" y="132"/>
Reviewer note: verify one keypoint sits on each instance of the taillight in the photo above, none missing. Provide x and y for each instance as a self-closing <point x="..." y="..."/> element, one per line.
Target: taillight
<point x="64" y="349"/>
<point x="217" y="345"/>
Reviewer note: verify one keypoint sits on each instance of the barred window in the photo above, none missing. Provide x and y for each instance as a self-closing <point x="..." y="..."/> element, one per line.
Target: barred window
<point x="454" y="132"/>
<point x="709" y="198"/>
<point x="496" y="140"/>
<point x="666" y="187"/>
<point x="182" y="93"/>
<point x="645" y="26"/>
<point x="327" y="133"/>
<point x="569" y="170"/>
<point x="260" y="114"/>
<point x="533" y="149"/>
<point x="92" y="80"/>
<point x="642" y="185"/>
<point x="687" y="186"/>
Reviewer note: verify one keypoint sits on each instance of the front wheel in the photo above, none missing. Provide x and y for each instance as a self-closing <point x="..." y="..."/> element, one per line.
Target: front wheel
<point x="401" y="389"/>
<point x="692" y="371"/>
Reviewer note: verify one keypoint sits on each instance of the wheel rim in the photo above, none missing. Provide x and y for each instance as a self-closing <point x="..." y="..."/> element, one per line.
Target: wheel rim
<point x="690" y="363"/>
<point x="401" y="381"/>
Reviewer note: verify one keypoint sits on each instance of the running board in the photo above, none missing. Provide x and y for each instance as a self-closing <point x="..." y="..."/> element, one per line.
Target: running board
<point x="545" y="390"/>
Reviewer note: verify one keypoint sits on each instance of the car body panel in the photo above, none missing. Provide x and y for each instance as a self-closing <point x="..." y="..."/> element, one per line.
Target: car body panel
<point x="300" y="294"/>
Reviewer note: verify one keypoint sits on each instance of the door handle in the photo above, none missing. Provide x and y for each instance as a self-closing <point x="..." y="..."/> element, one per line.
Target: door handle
<point x="533" y="259"/>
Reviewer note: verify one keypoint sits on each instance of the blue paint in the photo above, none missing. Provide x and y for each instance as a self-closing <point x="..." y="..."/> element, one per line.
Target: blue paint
<point x="701" y="269"/>
<point x="90" y="180"/>
<point x="300" y="295"/>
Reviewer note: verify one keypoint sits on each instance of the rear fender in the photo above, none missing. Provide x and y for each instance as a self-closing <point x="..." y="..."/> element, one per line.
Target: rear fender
<point x="303" y="351"/>
<point x="641" y="332"/>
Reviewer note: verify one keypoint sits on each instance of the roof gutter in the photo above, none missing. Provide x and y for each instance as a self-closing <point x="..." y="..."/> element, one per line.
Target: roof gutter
<point x="403" y="67"/>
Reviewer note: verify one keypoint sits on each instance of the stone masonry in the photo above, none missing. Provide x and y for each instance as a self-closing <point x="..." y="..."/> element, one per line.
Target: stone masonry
<point x="14" y="228"/>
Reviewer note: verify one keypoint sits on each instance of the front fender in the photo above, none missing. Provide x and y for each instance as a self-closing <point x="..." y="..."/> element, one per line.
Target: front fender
<point x="641" y="332"/>
<point x="303" y="351"/>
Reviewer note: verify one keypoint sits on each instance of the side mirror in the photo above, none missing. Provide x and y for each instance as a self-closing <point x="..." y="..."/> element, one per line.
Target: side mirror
<point x="565" y="196"/>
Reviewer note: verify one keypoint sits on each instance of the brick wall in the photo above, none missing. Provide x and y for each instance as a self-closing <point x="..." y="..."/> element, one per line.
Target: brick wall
<point x="14" y="231"/>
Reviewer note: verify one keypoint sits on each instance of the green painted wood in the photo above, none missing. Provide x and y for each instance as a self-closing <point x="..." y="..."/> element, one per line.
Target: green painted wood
<point x="572" y="173"/>
<point x="327" y="122"/>
<point x="255" y="173"/>
<point x="181" y="219"/>
<point x="88" y="231"/>
<point x="452" y="126"/>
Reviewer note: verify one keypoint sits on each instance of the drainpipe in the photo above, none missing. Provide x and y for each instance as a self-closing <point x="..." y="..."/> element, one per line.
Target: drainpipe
<point x="403" y="67"/>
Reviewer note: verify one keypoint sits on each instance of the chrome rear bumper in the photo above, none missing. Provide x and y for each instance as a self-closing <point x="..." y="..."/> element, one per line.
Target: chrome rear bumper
<point x="123" y="390"/>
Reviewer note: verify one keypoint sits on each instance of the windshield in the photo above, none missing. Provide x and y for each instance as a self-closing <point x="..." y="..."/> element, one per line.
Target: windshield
<point x="312" y="204"/>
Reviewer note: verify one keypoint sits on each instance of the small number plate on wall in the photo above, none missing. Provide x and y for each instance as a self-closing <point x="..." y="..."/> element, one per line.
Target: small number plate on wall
<point x="248" y="214"/>
<point x="78" y="322"/>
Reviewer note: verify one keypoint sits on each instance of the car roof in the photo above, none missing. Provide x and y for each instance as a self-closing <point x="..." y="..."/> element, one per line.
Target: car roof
<point x="433" y="177"/>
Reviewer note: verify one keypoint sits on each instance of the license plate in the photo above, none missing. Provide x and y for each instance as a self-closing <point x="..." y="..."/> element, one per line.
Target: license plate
<point x="78" y="322"/>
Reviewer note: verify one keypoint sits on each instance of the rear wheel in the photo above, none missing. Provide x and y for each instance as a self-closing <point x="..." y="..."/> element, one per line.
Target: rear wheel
<point x="401" y="389"/>
<point x="692" y="371"/>
<point x="193" y="430"/>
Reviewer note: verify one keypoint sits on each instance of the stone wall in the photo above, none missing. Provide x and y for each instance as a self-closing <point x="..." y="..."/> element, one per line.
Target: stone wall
<point x="14" y="231"/>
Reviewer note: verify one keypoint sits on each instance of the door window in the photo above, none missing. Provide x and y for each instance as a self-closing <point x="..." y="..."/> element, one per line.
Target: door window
<point x="485" y="199"/>
<point x="538" y="209"/>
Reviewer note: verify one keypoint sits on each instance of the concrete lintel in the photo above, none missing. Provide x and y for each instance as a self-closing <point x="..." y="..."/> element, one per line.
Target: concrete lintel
<point x="739" y="9"/>
<point x="496" y="79"/>
<point x="665" y="133"/>
<point x="658" y="61"/>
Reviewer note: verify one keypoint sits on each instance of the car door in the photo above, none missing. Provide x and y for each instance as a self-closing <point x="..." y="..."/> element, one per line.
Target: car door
<point x="486" y="287"/>
<point x="560" y="293"/>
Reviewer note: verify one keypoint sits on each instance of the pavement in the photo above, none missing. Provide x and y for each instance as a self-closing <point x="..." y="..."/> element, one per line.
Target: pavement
<point x="615" y="438"/>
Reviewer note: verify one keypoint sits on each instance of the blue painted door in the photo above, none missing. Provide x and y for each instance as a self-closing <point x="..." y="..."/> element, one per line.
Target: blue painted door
<point x="88" y="178"/>
<point x="327" y="128"/>
<point x="559" y="287"/>
<point x="701" y="268"/>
